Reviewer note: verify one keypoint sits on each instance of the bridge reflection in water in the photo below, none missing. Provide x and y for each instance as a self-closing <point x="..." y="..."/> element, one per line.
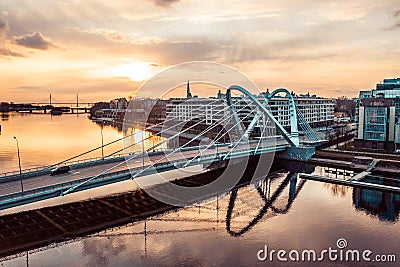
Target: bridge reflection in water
<point x="235" y="213"/>
<point x="236" y="208"/>
<point x="269" y="200"/>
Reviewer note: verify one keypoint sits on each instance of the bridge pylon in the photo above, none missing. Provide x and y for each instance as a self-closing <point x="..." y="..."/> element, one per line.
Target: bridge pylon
<point x="293" y="140"/>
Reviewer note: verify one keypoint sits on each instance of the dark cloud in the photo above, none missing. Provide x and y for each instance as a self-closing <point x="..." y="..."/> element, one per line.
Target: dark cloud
<point x="4" y="51"/>
<point x="164" y="3"/>
<point x="396" y="24"/>
<point x="8" y="53"/>
<point x="394" y="27"/>
<point x="35" y="40"/>
<point x="3" y="28"/>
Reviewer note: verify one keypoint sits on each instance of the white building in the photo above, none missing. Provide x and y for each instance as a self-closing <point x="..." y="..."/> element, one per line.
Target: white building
<point x="317" y="111"/>
<point x="186" y="109"/>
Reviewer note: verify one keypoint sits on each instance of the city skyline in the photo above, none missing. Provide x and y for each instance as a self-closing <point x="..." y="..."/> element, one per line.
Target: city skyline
<point x="103" y="50"/>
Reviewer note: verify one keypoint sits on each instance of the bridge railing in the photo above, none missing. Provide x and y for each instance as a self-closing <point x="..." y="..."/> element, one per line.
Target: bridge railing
<point x="26" y="173"/>
<point x="78" y="163"/>
<point x="32" y="193"/>
<point x="41" y="168"/>
<point x="56" y="189"/>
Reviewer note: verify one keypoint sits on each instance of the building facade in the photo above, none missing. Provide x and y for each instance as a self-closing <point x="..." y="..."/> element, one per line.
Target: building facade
<point x="119" y="103"/>
<point x="378" y="114"/>
<point x="317" y="111"/>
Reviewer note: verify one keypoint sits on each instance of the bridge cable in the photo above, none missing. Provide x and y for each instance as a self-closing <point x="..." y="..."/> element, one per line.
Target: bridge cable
<point x="119" y="164"/>
<point x="164" y="130"/>
<point x="214" y="141"/>
<point x="140" y="172"/>
<point x="117" y="140"/>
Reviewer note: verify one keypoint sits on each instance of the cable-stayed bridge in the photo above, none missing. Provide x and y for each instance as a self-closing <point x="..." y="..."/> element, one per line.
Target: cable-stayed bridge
<point x="240" y="132"/>
<point x="73" y="102"/>
<point x="54" y="106"/>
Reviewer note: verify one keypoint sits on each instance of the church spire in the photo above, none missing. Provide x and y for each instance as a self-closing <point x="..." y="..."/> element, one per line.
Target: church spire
<point x="188" y="93"/>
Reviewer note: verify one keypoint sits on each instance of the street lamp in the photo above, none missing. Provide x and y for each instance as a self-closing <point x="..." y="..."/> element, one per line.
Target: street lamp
<point x="337" y="137"/>
<point x="143" y="148"/>
<point x="19" y="164"/>
<point x="102" y="140"/>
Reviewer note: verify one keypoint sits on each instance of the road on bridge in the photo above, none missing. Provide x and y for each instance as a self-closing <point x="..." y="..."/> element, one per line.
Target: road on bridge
<point x="9" y="187"/>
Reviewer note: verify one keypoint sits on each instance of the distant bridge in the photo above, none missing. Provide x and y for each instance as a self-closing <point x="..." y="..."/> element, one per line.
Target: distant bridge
<point x="35" y="108"/>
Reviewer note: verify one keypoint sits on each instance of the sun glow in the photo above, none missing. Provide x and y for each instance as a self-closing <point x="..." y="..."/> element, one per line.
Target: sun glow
<point x="136" y="71"/>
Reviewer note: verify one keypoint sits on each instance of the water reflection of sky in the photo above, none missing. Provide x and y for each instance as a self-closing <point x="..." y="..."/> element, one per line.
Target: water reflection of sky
<point x="46" y="139"/>
<point x="198" y="235"/>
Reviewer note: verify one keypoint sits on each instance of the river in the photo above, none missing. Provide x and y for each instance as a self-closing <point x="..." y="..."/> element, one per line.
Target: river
<point x="285" y="213"/>
<point x="45" y="139"/>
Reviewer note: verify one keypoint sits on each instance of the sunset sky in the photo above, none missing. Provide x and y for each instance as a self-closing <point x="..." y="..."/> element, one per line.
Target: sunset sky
<point x="105" y="49"/>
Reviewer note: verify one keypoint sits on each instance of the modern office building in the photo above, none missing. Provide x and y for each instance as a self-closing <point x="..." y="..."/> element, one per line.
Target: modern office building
<point x="378" y="114"/>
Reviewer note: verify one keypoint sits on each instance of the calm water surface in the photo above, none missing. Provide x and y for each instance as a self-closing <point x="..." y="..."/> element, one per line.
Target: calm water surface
<point x="45" y="139"/>
<point x="230" y="232"/>
<point x="285" y="213"/>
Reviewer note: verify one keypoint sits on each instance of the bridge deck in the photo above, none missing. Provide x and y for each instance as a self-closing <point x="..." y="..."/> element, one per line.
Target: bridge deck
<point x="44" y="186"/>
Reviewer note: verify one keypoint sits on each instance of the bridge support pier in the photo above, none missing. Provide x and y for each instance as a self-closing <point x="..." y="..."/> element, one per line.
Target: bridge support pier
<point x="297" y="153"/>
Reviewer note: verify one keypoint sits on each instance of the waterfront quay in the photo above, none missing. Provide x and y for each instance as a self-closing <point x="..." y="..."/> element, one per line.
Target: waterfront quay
<point x="388" y="165"/>
<point x="46" y="108"/>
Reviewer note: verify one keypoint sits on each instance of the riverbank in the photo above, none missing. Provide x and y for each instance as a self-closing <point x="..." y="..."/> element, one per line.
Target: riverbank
<point x="385" y="164"/>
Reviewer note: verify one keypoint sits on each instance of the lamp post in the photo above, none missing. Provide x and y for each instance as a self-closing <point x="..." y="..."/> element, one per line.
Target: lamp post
<point x="337" y="133"/>
<point x="395" y="139"/>
<point x="102" y="140"/>
<point x="216" y="139"/>
<point x="19" y="164"/>
<point x="342" y="134"/>
<point x="143" y="148"/>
